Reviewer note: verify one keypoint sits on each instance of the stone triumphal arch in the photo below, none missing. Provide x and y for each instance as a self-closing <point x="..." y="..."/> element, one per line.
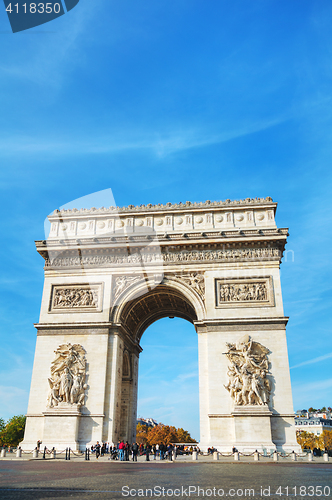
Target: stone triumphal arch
<point x="110" y="273"/>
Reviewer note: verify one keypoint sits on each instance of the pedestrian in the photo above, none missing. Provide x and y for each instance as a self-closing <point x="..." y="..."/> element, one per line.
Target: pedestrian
<point x="134" y="450"/>
<point x="126" y="451"/>
<point x="153" y="451"/>
<point x="97" y="448"/>
<point x="169" y="452"/>
<point x="121" y="450"/>
<point x="147" y="453"/>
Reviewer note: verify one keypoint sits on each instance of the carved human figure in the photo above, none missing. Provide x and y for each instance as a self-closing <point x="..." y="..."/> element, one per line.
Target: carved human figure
<point x="53" y="398"/>
<point x="243" y="395"/>
<point x="265" y="387"/>
<point x="247" y="373"/>
<point x="255" y="389"/>
<point x="75" y="388"/>
<point x="65" y="385"/>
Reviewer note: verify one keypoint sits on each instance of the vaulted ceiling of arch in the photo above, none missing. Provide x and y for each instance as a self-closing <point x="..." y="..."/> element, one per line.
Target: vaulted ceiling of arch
<point x="161" y="302"/>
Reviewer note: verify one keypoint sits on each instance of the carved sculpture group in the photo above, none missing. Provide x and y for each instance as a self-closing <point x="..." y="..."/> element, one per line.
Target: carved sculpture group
<point x="75" y="297"/>
<point x="243" y="292"/>
<point x="248" y="382"/>
<point x="67" y="381"/>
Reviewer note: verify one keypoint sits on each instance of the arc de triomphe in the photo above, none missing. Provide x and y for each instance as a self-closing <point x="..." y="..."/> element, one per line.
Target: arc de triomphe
<point x="110" y="273"/>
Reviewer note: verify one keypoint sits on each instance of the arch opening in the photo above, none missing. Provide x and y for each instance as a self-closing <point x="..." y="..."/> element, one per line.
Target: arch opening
<point x="168" y="387"/>
<point x="140" y="312"/>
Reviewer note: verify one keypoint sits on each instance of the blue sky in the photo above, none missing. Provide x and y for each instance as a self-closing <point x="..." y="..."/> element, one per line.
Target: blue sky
<point x="170" y="101"/>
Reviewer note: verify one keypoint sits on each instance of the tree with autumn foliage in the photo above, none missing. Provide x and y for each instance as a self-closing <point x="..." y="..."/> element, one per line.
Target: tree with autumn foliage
<point x="162" y="434"/>
<point x="142" y="433"/>
<point x="325" y="440"/>
<point x="308" y="440"/>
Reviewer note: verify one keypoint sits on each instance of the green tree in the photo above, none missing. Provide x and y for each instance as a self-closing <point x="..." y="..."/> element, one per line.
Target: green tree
<point x="13" y="432"/>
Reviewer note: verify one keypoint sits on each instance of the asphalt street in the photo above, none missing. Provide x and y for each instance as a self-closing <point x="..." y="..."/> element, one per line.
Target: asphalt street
<point x="56" y="479"/>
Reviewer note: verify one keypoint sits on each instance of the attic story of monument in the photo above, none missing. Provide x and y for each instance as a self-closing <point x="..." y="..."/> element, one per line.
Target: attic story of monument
<point x="112" y="272"/>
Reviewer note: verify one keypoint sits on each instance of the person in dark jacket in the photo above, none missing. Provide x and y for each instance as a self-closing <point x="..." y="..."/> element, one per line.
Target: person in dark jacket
<point x="134" y="450"/>
<point x="126" y="451"/>
<point x="97" y="448"/>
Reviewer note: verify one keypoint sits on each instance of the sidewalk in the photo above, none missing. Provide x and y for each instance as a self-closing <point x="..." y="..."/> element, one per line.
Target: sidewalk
<point x="180" y="459"/>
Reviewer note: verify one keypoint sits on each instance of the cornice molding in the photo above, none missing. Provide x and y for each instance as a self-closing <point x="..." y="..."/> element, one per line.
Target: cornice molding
<point x="188" y="205"/>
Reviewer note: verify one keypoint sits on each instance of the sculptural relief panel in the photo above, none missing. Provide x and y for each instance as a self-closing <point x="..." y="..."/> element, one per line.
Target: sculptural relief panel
<point x="248" y="374"/>
<point x="72" y="298"/>
<point x="244" y="292"/>
<point x="67" y="380"/>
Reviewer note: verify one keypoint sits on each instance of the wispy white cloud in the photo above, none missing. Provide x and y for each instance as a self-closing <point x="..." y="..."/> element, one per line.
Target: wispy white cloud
<point x="186" y="376"/>
<point x="314" y="360"/>
<point x="162" y="146"/>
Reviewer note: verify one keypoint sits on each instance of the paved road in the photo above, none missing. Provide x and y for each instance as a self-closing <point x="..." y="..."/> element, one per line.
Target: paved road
<point x="38" y="479"/>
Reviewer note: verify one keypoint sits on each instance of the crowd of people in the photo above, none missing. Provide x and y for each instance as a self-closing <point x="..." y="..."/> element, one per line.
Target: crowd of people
<point x="125" y="451"/>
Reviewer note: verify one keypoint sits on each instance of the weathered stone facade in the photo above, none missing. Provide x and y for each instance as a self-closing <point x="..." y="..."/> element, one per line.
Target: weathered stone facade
<point x="110" y="273"/>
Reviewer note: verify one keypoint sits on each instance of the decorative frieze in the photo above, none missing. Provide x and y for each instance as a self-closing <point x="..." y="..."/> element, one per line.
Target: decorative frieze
<point x="244" y="292"/>
<point x="218" y="255"/>
<point x="83" y="297"/>
<point x="67" y="380"/>
<point x="248" y="373"/>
